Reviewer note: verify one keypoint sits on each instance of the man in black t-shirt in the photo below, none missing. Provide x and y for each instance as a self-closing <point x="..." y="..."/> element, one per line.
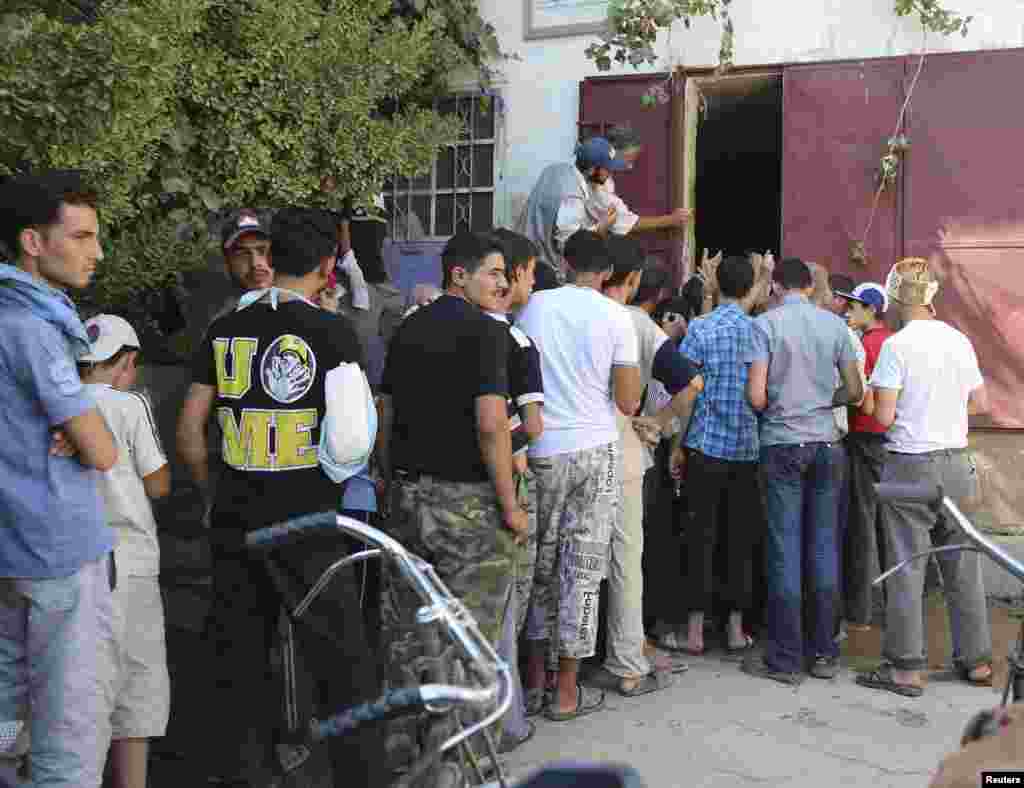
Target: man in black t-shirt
<point x="262" y="369"/>
<point x="444" y="442"/>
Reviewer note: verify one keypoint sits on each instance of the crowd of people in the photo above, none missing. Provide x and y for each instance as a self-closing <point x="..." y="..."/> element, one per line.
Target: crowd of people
<point x="594" y="464"/>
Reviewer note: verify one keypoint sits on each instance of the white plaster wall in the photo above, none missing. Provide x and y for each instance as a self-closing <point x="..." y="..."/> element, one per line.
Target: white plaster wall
<point x="542" y="89"/>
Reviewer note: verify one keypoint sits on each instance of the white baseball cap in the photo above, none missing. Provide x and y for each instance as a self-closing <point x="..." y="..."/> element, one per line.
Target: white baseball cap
<point x="107" y="335"/>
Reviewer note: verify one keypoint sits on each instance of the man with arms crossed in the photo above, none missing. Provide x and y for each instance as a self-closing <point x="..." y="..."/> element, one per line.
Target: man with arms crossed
<point x="926" y="383"/>
<point x="56" y="575"/>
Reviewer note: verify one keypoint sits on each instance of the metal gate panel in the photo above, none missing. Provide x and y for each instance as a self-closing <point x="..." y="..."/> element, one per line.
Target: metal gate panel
<point x="836" y="121"/>
<point x="965" y="208"/>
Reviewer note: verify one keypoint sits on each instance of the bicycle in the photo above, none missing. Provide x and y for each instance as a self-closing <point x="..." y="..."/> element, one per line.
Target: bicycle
<point x="442" y="616"/>
<point x="982" y="723"/>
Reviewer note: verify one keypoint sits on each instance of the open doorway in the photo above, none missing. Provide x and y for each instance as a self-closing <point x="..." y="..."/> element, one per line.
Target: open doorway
<point x="737" y="161"/>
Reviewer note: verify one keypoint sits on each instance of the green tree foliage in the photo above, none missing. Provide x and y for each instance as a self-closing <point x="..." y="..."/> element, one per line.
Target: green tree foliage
<point x="181" y="109"/>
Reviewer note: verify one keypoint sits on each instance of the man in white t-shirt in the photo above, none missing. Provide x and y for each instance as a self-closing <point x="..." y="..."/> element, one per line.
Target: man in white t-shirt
<point x="589" y="358"/>
<point x="636" y="672"/>
<point x="926" y="383"/>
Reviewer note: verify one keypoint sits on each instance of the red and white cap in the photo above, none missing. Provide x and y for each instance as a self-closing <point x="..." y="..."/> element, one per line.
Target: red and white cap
<point x="107" y="335"/>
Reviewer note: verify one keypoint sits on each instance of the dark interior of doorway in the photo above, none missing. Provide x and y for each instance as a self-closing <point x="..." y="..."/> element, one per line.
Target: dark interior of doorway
<point x="739" y="165"/>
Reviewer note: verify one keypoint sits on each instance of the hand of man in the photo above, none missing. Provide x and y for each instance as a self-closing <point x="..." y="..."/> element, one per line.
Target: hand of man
<point x="519" y="464"/>
<point x="681" y="216"/>
<point x="518" y="522"/>
<point x="677" y="463"/>
<point x="606" y="224"/>
<point x="647" y="429"/>
<point x="709" y="272"/>
<point x="61" y="446"/>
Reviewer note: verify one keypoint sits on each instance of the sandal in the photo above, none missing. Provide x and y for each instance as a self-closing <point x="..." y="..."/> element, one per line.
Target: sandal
<point x="587" y="702"/>
<point x="652" y="682"/>
<point x="536" y="701"/>
<point x="664" y="662"/>
<point x="882" y="679"/>
<point x="671" y="642"/>
<point x="964" y="674"/>
<point x="510" y="743"/>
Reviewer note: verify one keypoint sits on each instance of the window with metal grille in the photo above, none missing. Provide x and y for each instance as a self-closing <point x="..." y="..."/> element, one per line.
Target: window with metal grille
<point x="458" y="193"/>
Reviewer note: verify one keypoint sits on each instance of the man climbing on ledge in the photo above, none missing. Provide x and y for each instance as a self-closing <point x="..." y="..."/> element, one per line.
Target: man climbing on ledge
<point x="565" y="200"/>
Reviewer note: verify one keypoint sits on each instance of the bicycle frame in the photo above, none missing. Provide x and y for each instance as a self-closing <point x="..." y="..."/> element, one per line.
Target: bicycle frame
<point x="440" y="607"/>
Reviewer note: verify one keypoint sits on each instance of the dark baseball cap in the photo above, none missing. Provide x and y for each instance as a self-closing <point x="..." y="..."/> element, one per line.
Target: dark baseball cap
<point x="242" y="222"/>
<point x="598" y="152"/>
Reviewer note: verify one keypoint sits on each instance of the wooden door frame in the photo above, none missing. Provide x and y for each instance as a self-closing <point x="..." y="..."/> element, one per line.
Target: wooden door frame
<point x="683" y="148"/>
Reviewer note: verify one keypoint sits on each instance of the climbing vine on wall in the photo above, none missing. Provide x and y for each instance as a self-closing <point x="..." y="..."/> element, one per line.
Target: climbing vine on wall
<point x="633" y="27"/>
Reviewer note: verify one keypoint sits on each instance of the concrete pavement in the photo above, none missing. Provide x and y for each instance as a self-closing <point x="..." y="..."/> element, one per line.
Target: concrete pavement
<point x="719" y="727"/>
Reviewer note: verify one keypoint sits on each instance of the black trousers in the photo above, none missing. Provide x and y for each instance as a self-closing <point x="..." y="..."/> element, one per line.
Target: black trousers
<point x="712" y="484"/>
<point x="862" y="549"/>
<point x="662" y="563"/>
<point x="333" y="660"/>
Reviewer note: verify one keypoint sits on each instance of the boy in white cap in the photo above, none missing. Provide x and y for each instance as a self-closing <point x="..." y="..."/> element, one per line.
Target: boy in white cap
<point x="140" y="704"/>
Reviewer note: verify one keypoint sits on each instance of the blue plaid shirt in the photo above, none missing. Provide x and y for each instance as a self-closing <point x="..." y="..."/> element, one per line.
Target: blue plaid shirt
<point x="723" y="425"/>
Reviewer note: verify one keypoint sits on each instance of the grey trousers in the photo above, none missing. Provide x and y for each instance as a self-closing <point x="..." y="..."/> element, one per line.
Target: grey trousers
<point x="862" y="548"/>
<point x="914" y="527"/>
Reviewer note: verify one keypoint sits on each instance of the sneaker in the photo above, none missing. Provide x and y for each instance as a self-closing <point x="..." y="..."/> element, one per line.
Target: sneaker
<point x="843" y="634"/>
<point x="824" y="667"/>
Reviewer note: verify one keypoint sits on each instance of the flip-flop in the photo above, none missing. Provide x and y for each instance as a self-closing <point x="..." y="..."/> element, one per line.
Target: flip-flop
<point x="510" y="743"/>
<point x="964" y="674"/>
<point x="881" y="679"/>
<point x="652" y="682"/>
<point x="670" y="642"/>
<point x="587" y="702"/>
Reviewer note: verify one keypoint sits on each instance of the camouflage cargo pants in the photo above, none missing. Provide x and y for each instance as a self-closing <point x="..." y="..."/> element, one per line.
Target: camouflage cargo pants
<point x="578" y="504"/>
<point x="526" y="565"/>
<point x="458" y="528"/>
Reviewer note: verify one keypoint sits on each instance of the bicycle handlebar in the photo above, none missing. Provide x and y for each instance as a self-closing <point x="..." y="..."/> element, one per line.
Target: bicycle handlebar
<point x="912" y="493"/>
<point x="440" y="606"/>
<point x="284" y="533"/>
<point x="932" y="493"/>
<point x="398" y="700"/>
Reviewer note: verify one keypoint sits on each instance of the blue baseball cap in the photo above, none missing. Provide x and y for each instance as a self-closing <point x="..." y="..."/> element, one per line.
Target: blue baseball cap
<point x="598" y="152"/>
<point x="869" y="294"/>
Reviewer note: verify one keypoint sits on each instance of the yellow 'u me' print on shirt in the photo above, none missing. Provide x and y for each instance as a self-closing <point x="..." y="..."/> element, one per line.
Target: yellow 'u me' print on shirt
<point x="266" y="439"/>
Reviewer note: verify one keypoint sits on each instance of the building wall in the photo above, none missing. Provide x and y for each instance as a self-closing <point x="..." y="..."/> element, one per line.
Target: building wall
<point x="541" y="90"/>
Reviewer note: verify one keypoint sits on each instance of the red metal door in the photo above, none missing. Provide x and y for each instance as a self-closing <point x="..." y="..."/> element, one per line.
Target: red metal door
<point x="965" y="208"/>
<point x="836" y="121"/>
<point x="647" y="189"/>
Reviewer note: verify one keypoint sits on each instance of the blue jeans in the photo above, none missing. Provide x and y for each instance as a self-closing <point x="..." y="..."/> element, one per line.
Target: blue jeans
<point x="802" y="484"/>
<point x="56" y="638"/>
